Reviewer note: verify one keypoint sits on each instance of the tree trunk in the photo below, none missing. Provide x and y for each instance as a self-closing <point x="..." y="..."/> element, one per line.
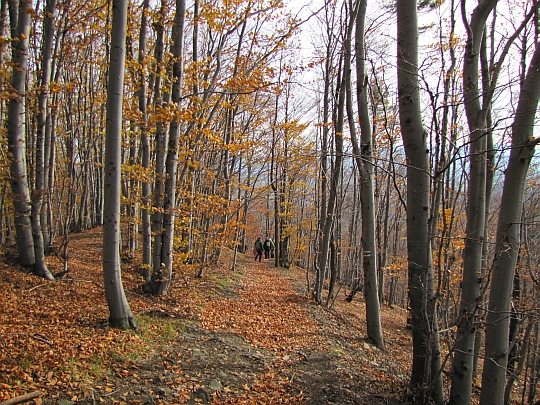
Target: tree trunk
<point x="20" y="29"/>
<point x="328" y="221"/>
<point x="160" y="149"/>
<point x="508" y="237"/>
<point x="145" y="149"/>
<point x="274" y="183"/>
<point x="161" y="279"/>
<point x="40" y="185"/>
<point x="364" y="160"/>
<point x="424" y="328"/>
<point x="120" y="313"/>
<point x="486" y="68"/>
<point x="325" y="132"/>
<point x="3" y="21"/>
<point x="477" y="109"/>
<point x="520" y="358"/>
<point x="532" y="362"/>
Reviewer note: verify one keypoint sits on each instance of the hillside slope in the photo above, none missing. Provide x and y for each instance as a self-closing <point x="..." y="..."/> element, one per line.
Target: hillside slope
<point x="234" y="337"/>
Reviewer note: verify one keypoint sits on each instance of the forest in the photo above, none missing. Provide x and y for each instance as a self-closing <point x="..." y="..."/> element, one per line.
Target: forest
<point x="387" y="148"/>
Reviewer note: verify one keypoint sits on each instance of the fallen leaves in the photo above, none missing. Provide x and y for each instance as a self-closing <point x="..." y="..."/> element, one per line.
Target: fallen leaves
<point x="263" y="314"/>
<point x="267" y="390"/>
<point x="54" y="336"/>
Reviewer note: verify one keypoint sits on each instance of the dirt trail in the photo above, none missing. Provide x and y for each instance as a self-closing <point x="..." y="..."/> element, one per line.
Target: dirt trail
<point x="264" y="342"/>
<point x="248" y="336"/>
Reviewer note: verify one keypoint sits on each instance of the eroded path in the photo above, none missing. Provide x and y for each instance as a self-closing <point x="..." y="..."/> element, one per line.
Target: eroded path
<point x="270" y="344"/>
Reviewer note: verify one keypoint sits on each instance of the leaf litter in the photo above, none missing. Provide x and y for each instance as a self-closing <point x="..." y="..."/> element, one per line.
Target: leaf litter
<point x="249" y="336"/>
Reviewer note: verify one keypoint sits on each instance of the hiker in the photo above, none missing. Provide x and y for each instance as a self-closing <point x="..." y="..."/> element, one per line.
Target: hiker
<point x="272" y="248"/>
<point x="258" y="248"/>
<point x="267" y="246"/>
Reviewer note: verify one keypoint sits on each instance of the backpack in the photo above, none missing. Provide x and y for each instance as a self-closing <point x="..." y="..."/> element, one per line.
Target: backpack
<point x="267" y="245"/>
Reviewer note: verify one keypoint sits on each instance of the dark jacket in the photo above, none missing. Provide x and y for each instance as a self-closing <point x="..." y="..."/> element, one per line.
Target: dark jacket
<point x="259" y="245"/>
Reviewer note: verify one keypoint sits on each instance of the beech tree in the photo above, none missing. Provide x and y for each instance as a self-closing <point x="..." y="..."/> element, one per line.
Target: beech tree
<point x="40" y="185"/>
<point x="508" y="236"/>
<point x="364" y="163"/>
<point x="477" y="109"/>
<point x="426" y="373"/>
<point x="27" y="248"/>
<point x="329" y="72"/>
<point x="364" y="159"/>
<point x="120" y="312"/>
<point x="329" y="220"/>
<point x="163" y="251"/>
<point x="145" y="145"/>
<point x="472" y="255"/>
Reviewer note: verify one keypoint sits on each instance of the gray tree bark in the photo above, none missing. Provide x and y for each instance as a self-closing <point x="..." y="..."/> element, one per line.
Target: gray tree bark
<point x="328" y="222"/>
<point x="325" y="131"/>
<point x="145" y="149"/>
<point x="486" y="68"/>
<point x="120" y="312"/>
<point x="462" y="366"/>
<point x="477" y="108"/>
<point x="425" y="372"/>
<point x="160" y="148"/>
<point x="20" y="31"/>
<point x="364" y="161"/>
<point x="40" y="185"/>
<point x="161" y="278"/>
<point x="508" y="237"/>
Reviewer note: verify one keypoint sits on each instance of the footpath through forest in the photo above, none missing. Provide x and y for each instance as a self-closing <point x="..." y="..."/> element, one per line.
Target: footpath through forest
<point x="248" y="336"/>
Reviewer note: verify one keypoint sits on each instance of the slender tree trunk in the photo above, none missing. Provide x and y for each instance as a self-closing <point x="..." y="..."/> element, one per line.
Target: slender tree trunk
<point x="486" y="68"/>
<point x="333" y="271"/>
<point x="40" y="185"/>
<point x="4" y="220"/>
<point x="51" y="221"/>
<point x="160" y="149"/>
<point x="3" y="21"/>
<point x="187" y="232"/>
<point x="383" y="252"/>
<point x="334" y="182"/>
<point x="533" y="373"/>
<point x="145" y="149"/>
<point x="521" y="357"/>
<point x="161" y="279"/>
<point x="364" y="160"/>
<point x="120" y="313"/>
<point x="274" y="182"/>
<point x="424" y="327"/>
<point x="20" y="30"/>
<point x="325" y="134"/>
<point x="508" y="237"/>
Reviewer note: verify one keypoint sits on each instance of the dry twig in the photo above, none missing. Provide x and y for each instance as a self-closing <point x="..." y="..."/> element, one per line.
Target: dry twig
<point x="22" y="398"/>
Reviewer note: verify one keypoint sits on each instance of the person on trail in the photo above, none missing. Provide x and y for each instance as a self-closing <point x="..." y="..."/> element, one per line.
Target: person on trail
<point x="258" y="248"/>
<point x="267" y="246"/>
<point x="272" y="248"/>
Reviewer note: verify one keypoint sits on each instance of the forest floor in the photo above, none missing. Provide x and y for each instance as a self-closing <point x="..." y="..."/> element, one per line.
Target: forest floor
<point x="245" y="336"/>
